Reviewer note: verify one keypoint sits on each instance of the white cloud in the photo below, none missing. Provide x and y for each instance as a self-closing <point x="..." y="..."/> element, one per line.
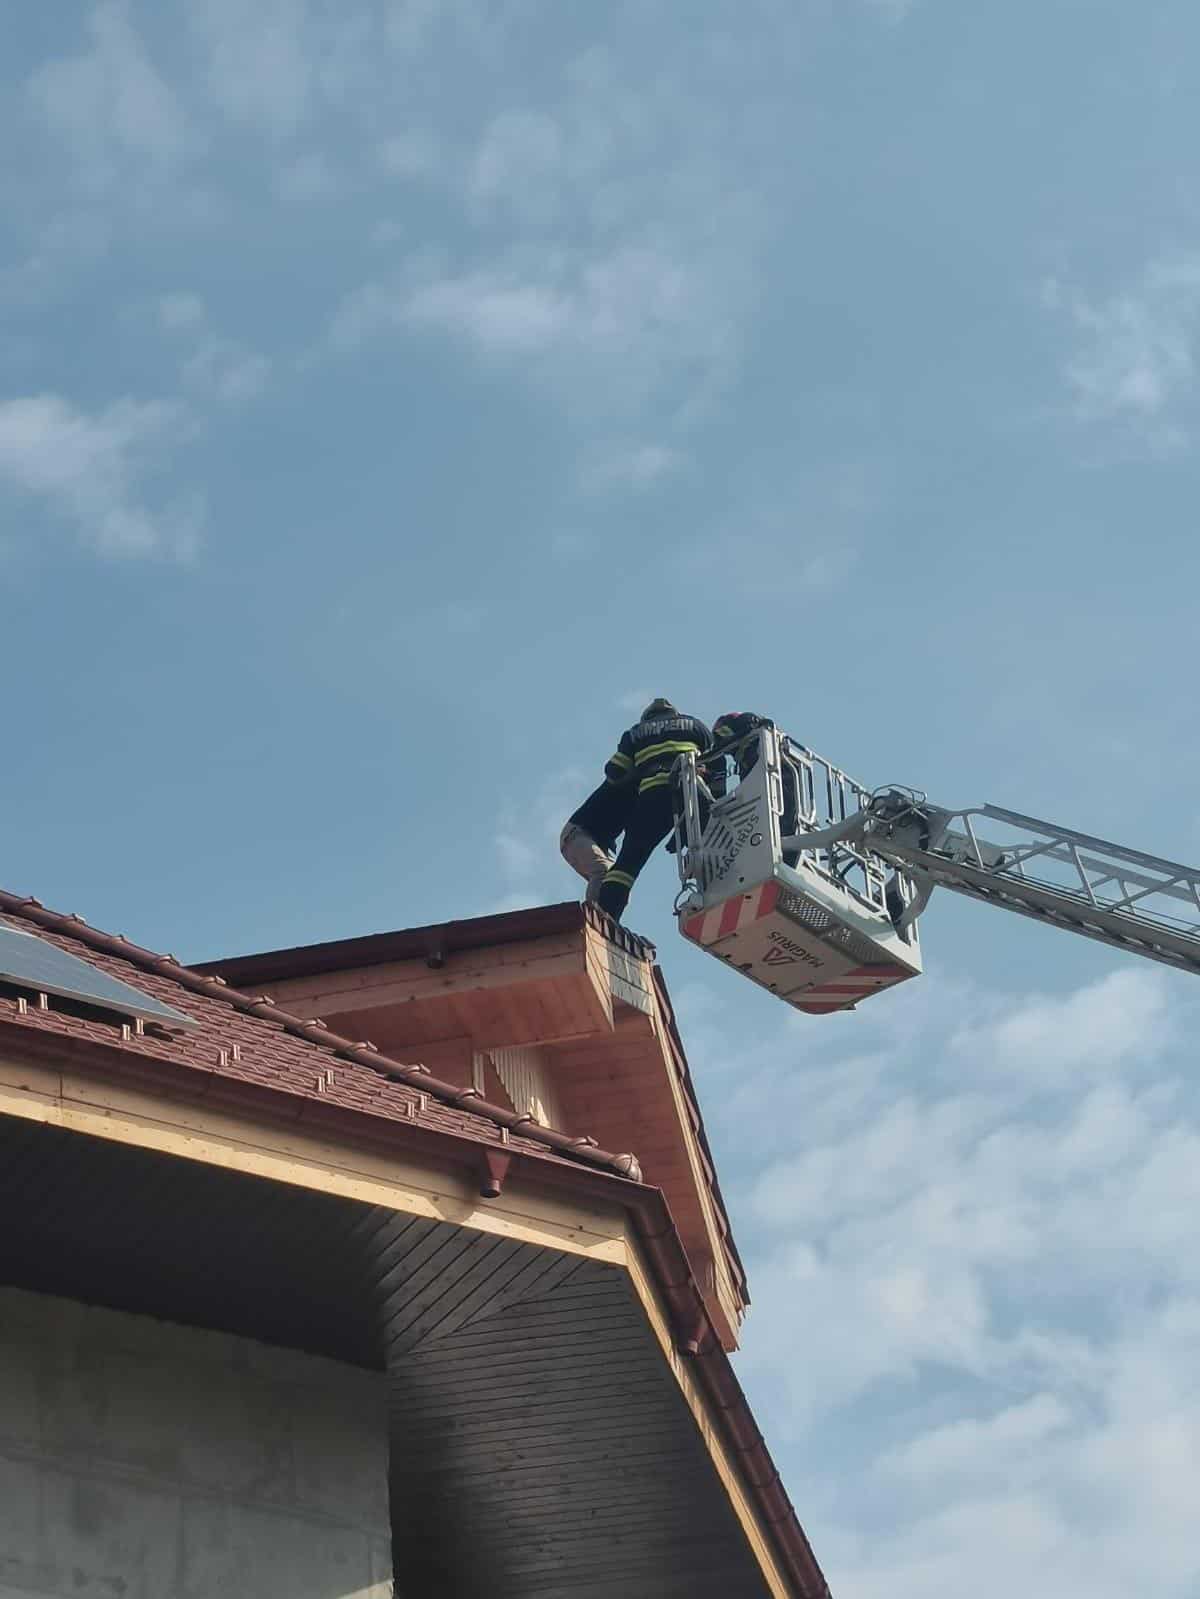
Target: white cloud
<point x="226" y="369"/>
<point x="1135" y="357"/>
<point x="633" y="210"/>
<point x="180" y="310"/>
<point x="309" y="177"/>
<point x="635" y="466"/>
<point x="1088" y="1500"/>
<point x="970" y="1446"/>
<point x="974" y="1283"/>
<point x="409" y="155"/>
<point x="216" y="366"/>
<point x="615" y="225"/>
<point x="519" y="167"/>
<point x="525" y="839"/>
<point x="88" y="468"/>
<point x="500" y="316"/>
<point x="1119" y="1019"/>
<point x="260" y="67"/>
<point x="617" y="330"/>
<point x="517" y="856"/>
<point x="272" y="66"/>
<point x="61" y="246"/>
<point x="110" y="104"/>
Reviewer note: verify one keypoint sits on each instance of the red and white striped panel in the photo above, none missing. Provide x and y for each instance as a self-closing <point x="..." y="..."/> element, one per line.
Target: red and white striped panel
<point x="849" y="988"/>
<point x="732" y="914"/>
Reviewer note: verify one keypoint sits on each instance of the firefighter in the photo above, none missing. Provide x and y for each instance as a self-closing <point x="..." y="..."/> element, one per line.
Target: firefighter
<point x="643" y="761"/>
<point x="589" y="839"/>
<point x="738" y="725"/>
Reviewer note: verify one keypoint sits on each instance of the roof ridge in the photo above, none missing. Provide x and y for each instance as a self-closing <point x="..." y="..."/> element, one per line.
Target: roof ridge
<point x="314" y="1032"/>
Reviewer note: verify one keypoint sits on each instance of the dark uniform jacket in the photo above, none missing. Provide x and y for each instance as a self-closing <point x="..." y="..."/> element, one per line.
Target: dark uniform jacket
<point x="737" y="725"/>
<point x="647" y="751"/>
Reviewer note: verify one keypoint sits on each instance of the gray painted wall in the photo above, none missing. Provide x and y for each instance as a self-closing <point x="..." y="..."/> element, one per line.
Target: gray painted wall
<point x="142" y="1460"/>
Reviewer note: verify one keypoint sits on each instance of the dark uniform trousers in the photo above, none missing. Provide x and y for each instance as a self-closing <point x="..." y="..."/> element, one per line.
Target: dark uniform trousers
<point x="652" y="820"/>
<point x="646" y="756"/>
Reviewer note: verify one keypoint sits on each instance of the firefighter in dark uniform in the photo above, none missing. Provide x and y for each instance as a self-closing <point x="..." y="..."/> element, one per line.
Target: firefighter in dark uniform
<point x="737" y="725"/>
<point x="643" y="761"/>
<point x="589" y="839"/>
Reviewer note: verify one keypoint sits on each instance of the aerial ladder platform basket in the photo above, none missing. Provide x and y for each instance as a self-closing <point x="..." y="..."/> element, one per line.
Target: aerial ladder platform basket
<point x="810" y="917"/>
<point x="811" y="885"/>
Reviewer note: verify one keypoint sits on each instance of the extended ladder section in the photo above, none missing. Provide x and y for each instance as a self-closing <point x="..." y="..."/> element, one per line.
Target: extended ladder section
<point x="775" y="883"/>
<point x="1120" y="896"/>
<point x="811" y="885"/>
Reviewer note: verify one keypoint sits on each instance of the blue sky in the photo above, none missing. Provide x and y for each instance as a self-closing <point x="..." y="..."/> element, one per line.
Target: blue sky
<point x="394" y="395"/>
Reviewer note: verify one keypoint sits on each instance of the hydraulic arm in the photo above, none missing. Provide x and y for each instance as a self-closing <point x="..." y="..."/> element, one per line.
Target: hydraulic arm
<point x="811" y="885"/>
<point x="1121" y="896"/>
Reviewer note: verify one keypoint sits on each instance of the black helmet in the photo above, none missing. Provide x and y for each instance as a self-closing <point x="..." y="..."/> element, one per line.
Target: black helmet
<point x="657" y="708"/>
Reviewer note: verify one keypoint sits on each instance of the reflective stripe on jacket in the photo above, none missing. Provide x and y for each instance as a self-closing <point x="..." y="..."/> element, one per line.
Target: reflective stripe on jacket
<point x="648" y="750"/>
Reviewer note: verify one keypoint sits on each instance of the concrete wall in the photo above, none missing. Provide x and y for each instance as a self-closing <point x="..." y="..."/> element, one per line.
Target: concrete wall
<point x="142" y="1460"/>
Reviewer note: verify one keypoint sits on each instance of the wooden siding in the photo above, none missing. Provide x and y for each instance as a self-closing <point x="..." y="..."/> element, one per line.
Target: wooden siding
<point x="531" y="1389"/>
<point x="525" y="1074"/>
<point x="628" y="1084"/>
<point x="521" y="994"/>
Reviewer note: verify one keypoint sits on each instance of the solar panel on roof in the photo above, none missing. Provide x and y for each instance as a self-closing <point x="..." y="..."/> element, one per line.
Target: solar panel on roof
<point x="30" y="962"/>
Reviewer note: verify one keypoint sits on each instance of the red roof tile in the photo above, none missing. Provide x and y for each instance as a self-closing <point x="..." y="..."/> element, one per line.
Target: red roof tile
<point x="253" y="1041"/>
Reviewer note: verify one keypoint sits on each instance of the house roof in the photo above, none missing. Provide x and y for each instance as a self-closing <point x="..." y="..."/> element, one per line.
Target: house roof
<point x="251" y="1039"/>
<point x="439" y="940"/>
<point x="249" y="1045"/>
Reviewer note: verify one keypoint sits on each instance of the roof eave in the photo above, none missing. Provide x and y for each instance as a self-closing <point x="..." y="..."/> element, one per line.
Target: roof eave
<point x="433" y="942"/>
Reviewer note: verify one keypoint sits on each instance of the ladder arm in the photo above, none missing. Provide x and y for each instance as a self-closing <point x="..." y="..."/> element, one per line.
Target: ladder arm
<point x="1105" y="891"/>
<point x="889" y="849"/>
